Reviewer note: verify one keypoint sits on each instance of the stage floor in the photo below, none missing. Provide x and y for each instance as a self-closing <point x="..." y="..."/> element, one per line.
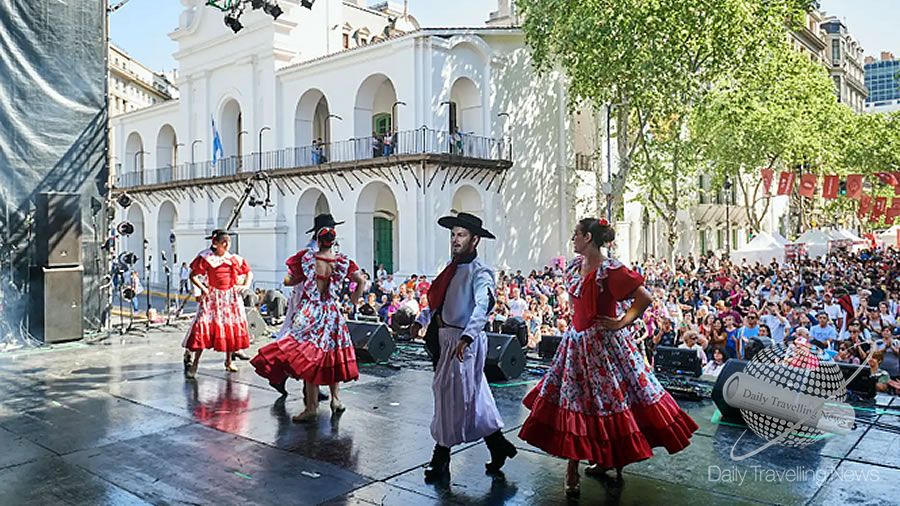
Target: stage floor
<point x="117" y="423"/>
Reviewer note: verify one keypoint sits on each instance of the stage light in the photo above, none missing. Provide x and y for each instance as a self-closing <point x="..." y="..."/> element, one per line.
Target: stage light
<point x="233" y="23"/>
<point x="124" y="200"/>
<point x="273" y="10"/>
<point x="125" y="228"/>
<point x="128" y="258"/>
<point x="307" y="3"/>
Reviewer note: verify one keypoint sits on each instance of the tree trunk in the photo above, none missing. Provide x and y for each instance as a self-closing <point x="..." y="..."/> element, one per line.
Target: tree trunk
<point x="624" y="148"/>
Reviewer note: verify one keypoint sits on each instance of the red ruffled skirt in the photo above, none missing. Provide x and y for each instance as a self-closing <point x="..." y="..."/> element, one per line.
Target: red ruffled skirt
<point x="600" y="402"/>
<point x="220" y="323"/>
<point x="316" y="348"/>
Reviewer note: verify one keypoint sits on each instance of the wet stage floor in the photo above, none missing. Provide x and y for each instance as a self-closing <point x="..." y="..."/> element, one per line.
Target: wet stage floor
<point x="117" y="423"/>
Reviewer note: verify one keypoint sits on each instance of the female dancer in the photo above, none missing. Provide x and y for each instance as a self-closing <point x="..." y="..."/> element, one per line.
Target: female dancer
<point x="315" y="343"/>
<point x="600" y="401"/>
<point x="220" y="323"/>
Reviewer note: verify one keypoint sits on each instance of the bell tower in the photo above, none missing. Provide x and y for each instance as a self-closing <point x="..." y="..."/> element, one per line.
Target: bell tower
<point x="505" y="15"/>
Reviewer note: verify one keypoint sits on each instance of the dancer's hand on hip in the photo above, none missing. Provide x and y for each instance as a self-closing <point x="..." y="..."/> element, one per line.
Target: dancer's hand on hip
<point x="611" y="323"/>
<point x="461" y="349"/>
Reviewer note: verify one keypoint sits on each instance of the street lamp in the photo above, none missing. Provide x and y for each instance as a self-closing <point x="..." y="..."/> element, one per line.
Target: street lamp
<point x="261" y="130"/>
<point x="394" y="113"/>
<point x="726" y="185"/>
<point x="193" y="145"/>
<point x="141" y="168"/>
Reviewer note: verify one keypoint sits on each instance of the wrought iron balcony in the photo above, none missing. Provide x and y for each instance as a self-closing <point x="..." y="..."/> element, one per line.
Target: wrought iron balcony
<point x="422" y="144"/>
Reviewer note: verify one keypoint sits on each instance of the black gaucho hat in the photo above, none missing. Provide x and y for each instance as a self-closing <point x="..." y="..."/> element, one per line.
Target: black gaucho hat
<point x="467" y="221"/>
<point x="219" y="231"/>
<point x="324" y="220"/>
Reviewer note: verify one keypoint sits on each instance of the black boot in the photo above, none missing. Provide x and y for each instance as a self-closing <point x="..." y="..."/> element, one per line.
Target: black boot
<point x="501" y="449"/>
<point x="439" y="467"/>
<point x="280" y="387"/>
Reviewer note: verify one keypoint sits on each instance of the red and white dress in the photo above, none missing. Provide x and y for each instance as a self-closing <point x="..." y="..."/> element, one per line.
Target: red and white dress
<point x="600" y="400"/>
<point x="314" y="344"/>
<point x="220" y="323"/>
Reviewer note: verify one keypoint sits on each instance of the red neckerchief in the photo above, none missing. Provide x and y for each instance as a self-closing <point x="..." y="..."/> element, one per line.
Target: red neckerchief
<point x="439" y="286"/>
<point x="846" y="304"/>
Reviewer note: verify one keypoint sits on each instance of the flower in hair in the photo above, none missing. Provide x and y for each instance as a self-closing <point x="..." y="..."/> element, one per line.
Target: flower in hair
<point x="603" y="221"/>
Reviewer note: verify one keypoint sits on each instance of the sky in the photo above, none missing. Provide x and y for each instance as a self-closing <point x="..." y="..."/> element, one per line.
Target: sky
<point x="141" y="27"/>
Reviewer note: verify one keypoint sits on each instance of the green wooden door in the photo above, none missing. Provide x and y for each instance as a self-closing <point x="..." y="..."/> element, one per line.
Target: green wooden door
<point x="384" y="245"/>
<point x="381" y="123"/>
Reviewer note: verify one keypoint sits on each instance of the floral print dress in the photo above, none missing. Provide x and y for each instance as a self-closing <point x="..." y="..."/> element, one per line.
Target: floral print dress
<point x="315" y="343"/>
<point x="600" y="400"/>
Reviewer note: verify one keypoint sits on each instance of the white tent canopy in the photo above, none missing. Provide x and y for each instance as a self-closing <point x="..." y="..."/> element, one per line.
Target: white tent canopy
<point x="889" y="236"/>
<point x="780" y="238"/>
<point x="816" y="242"/>
<point x="763" y="248"/>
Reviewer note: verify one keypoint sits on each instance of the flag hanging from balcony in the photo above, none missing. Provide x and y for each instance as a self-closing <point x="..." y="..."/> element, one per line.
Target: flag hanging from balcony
<point x="808" y="185"/>
<point x="854" y="186"/>
<point x="217" y="142"/>
<point x="830" y="187"/>
<point x="767" y="176"/>
<point x="880" y="207"/>
<point x="865" y="205"/>
<point x="785" y="183"/>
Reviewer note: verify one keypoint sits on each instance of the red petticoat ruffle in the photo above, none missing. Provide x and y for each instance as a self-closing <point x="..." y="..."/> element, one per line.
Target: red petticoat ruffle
<point x="227" y="338"/>
<point x="613" y="440"/>
<point x="288" y="358"/>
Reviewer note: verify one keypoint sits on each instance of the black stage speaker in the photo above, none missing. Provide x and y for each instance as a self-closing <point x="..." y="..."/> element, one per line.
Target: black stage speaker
<point x="548" y="345"/>
<point x="732" y="366"/>
<point x="516" y="326"/>
<point x="372" y="341"/>
<point x="58" y="229"/>
<point x="256" y="326"/>
<point x="863" y="384"/>
<point x="505" y="359"/>
<point x="56" y="304"/>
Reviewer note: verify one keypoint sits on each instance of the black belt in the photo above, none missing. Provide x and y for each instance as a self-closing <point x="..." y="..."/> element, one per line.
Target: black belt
<point x="441" y="324"/>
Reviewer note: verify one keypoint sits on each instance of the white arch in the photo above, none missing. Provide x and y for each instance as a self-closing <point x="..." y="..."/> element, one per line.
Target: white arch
<point x="134" y="145"/>
<point x="165" y="225"/>
<point x="469" y="112"/>
<point x="165" y="147"/>
<point x="229" y="125"/>
<point x="375" y="95"/>
<point x="376" y="200"/>
<point x="467" y="199"/>
<point x="311" y="203"/>
<point x="476" y="44"/>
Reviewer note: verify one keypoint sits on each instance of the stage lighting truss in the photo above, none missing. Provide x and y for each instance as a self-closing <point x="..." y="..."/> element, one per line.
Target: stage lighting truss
<point x="233" y="9"/>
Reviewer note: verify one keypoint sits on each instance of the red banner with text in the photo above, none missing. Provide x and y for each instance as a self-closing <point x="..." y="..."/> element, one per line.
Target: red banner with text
<point x="785" y="183"/>
<point x="830" y="187"/>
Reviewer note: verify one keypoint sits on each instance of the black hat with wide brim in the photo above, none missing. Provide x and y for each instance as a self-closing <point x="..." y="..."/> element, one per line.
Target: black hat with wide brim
<point x="220" y="231"/>
<point x="324" y="220"/>
<point x="467" y="221"/>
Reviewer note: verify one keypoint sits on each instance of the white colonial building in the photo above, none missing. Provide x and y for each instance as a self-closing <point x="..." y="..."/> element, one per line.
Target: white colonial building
<point x="339" y="76"/>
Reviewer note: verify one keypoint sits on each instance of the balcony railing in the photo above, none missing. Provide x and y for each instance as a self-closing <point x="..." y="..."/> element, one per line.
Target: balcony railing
<point x="412" y="142"/>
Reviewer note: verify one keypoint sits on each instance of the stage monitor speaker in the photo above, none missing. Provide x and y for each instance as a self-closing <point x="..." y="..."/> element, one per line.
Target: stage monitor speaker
<point x="547" y="346"/>
<point x="256" y="326"/>
<point x="58" y="229"/>
<point x="729" y="414"/>
<point x="677" y="361"/>
<point x="516" y="326"/>
<point x="372" y="341"/>
<point x="57" y="313"/>
<point x="863" y="384"/>
<point x="505" y="359"/>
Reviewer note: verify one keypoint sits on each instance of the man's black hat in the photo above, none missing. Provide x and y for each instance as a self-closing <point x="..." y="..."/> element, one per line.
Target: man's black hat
<point x="219" y="231"/>
<point x="467" y="221"/>
<point x="324" y="220"/>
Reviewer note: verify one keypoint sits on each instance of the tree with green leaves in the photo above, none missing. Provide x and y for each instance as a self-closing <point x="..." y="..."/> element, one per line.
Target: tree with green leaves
<point x="779" y="115"/>
<point x="649" y="59"/>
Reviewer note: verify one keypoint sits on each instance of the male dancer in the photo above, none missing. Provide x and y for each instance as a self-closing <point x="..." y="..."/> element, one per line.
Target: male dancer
<point x="462" y="297"/>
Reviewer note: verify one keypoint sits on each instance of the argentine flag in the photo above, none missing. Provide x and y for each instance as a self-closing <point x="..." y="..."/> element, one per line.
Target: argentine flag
<point x="217" y="143"/>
